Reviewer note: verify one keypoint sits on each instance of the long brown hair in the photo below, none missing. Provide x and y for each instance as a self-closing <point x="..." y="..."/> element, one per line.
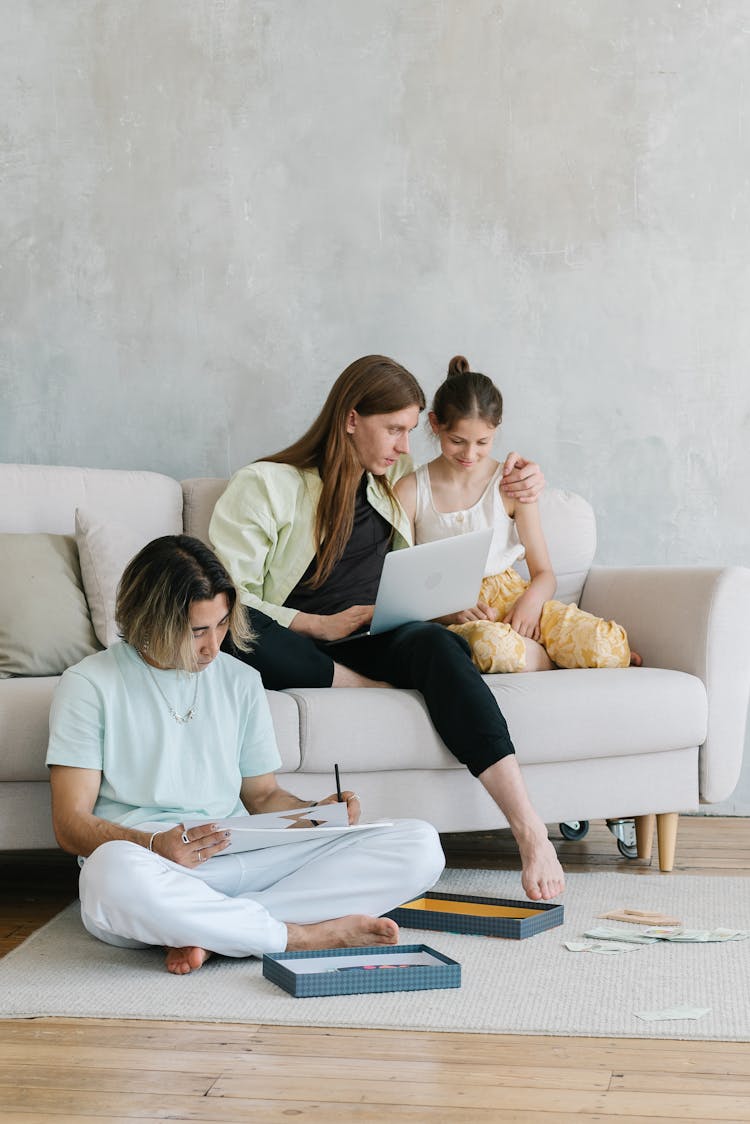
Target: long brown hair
<point x="371" y="385"/>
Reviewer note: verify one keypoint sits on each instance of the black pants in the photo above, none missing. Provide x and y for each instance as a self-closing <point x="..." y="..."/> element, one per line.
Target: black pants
<point x="423" y="656"/>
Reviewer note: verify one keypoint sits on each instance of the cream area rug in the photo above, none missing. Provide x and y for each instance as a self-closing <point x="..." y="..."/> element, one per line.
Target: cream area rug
<point x="533" y="986"/>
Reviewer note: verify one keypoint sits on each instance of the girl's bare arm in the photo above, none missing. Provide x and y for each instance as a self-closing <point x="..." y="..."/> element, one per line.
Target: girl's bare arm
<point x="406" y="494"/>
<point x="525" y="614"/>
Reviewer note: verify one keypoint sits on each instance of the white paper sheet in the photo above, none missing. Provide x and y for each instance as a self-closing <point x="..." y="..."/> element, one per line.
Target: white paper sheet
<point x="273" y="829"/>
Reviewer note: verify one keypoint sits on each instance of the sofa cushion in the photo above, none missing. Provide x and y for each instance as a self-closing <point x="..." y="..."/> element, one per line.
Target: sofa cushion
<point x="199" y="498"/>
<point x="552" y="716"/>
<point x="574" y="715"/>
<point x="38" y="497"/>
<point x="286" y="727"/>
<point x="104" y="550"/>
<point x="569" y="527"/>
<point x="44" y="620"/>
<point x="24" y="728"/>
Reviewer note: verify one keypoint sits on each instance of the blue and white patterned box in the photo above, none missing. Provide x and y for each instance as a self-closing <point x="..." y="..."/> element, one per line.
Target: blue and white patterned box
<point x="357" y="971"/>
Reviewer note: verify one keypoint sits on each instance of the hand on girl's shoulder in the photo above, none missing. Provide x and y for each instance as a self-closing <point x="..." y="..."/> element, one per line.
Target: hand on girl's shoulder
<point x="522" y="479"/>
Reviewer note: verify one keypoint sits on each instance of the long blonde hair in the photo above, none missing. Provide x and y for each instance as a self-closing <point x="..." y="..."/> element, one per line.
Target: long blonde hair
<point x="371" y="385"/>
<point x="155" y="594"/>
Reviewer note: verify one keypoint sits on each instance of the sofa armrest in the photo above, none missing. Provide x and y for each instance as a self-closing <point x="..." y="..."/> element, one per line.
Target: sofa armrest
<point x="692" y="619"/>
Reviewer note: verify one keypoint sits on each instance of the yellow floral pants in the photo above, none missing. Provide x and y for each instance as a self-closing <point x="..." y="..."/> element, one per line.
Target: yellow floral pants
<point x="570" y="636"/>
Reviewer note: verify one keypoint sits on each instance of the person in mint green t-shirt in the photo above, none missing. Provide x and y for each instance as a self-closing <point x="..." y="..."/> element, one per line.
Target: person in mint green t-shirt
<point x="162" y="730"/>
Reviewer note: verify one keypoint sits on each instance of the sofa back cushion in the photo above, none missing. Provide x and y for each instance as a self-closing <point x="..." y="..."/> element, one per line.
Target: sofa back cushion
<point x="119" y="511"/>
<point x="569" y="528"/>
<point x="39" y="497"/>
<point x="44" y="620"/>
<point x="199" y="497"/>
<point x="104" y="549"/>
<point x="568" y="521"/>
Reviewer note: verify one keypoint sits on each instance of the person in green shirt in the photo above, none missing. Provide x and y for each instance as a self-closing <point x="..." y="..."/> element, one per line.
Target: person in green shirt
<point x="159" y="742"/>
<point x="304" y="533"/>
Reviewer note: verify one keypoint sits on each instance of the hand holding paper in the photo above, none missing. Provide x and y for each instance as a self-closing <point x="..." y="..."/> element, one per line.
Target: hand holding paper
<point x="273" y="829"/>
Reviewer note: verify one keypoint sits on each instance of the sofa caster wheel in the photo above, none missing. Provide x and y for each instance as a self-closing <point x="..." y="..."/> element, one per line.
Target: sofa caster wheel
<point x="574" y="829"/>
<point x="624" y="833"/>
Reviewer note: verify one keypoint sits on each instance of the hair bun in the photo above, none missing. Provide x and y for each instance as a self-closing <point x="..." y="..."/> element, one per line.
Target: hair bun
<point x="458" y="366"/>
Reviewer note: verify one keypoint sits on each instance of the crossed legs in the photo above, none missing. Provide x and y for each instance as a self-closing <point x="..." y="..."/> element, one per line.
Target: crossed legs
<point x="312" y="894"/>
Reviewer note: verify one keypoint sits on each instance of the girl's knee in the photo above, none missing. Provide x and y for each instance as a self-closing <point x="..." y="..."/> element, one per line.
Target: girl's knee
<point x="495" y="647"/>
<point x="536" y="656"/>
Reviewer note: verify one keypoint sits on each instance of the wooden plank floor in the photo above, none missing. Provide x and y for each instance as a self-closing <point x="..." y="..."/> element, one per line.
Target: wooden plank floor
<point x="86" y="1070"/>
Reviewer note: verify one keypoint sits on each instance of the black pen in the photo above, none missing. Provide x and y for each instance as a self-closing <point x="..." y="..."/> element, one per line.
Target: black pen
<point x="338" y="784"/>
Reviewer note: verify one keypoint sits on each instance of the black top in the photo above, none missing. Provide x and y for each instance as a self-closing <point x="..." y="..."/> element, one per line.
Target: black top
<point x="355" y="578"/>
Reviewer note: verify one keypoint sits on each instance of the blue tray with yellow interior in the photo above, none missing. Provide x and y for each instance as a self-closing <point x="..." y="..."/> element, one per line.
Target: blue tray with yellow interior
<point x="478" y="916"/>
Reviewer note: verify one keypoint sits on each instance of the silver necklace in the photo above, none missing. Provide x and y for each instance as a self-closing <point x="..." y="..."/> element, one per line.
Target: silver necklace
<point x="189" y="714"/>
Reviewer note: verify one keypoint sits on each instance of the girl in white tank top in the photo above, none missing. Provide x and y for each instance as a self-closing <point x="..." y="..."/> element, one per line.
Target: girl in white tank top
<point x="515" y="625"/>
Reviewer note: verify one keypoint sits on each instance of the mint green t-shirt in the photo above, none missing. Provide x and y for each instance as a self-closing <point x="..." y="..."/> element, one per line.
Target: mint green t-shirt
<point x="108" y="714"/>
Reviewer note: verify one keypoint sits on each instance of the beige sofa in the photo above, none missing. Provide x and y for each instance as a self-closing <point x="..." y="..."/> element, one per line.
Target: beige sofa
<point x="659" y="739"/>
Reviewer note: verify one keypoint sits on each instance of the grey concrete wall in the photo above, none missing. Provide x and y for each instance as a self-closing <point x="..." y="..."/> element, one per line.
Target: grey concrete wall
<point x="209" y="208"/>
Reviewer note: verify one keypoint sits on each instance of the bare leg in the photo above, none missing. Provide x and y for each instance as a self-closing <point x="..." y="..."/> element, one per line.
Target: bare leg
<point x="345" y="677"/>
<point x="541" y="874"/>
<point x="343" y="932"/>
<point x="536" y="657"/>
<point x="180" y="961"/>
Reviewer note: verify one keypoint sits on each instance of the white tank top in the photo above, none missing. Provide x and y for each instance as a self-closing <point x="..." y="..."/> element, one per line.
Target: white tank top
<point x="488" y="511"/>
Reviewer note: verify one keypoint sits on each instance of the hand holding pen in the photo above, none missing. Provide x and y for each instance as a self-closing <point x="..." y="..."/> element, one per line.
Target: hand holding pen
<point x="344" y="796"/>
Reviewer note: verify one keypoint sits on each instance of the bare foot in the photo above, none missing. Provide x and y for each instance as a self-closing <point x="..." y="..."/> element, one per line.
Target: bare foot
<point x="343" y="932"/>
<point x="635" y="660"/>
<point x="542" y="876"/>
<point x="180" y="961"/>
<point x="541" y="873"/>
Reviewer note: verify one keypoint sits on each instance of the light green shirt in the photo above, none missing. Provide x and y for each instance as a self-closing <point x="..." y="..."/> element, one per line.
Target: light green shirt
<point x="262" y="529"/>
<point x="108" y="714"/>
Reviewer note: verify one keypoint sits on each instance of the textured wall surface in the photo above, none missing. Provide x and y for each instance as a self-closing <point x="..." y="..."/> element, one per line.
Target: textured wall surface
<point x="209" y="207"/>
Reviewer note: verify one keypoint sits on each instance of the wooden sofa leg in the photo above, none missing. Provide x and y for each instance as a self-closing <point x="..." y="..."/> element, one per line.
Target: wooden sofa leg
<point x="644" y="835"/>
<point x="666" y="833"/>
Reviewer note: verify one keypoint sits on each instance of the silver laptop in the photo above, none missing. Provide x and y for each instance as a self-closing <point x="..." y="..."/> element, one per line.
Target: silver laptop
<point x="428" y="581"/>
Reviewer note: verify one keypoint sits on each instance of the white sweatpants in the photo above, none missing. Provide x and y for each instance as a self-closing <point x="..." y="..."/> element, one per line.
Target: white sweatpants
<point x="237" y="905"/>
